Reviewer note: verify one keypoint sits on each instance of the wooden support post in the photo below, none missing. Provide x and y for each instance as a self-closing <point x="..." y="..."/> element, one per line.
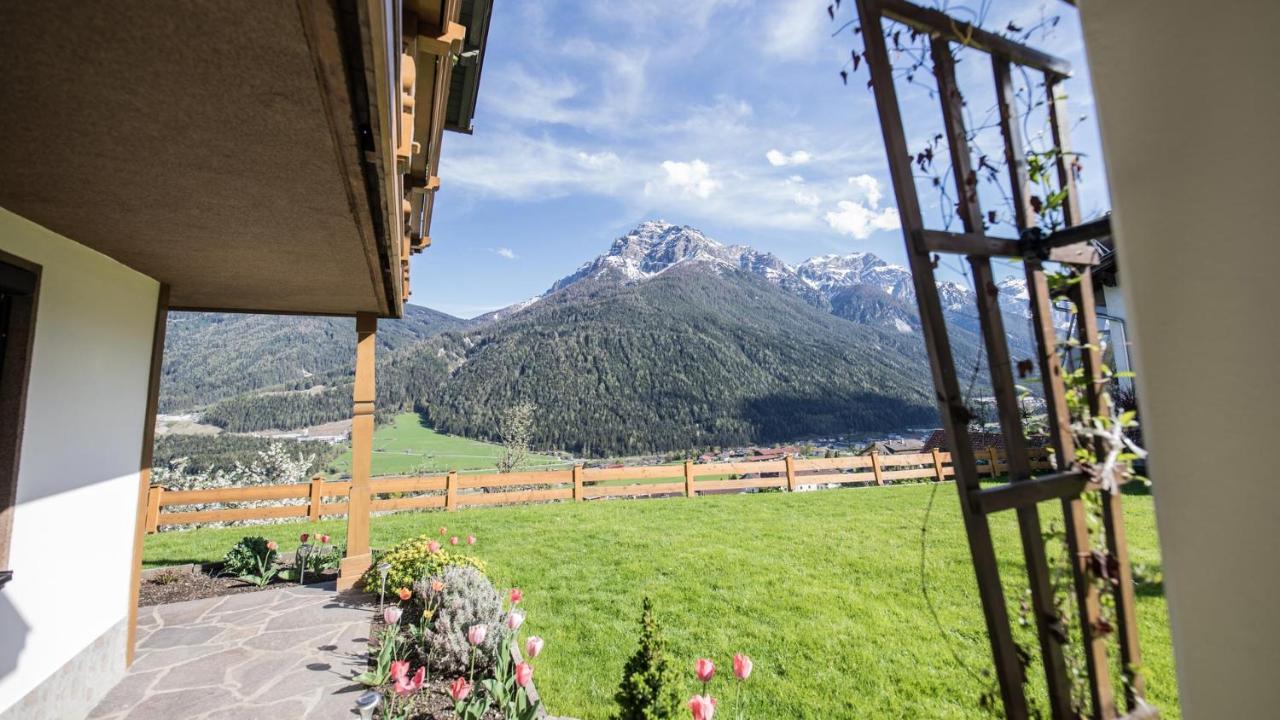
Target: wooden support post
<point x="875" y="467"/>
<point x="316" y="499"/>
<point x="937" y="465"/>
<point x="147" y="512"/>
<point x="451" y="491"/>
<point x="791" y="474"/>
<point x="688" y="478"/>
<point x="993" y="456"/>
<point x="363" y="398"/>
<point x="577" y="483"/>
<point x="153" y="508"/>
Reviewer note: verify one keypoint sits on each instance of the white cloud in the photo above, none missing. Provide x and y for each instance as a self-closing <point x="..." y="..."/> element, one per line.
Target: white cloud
<point x="796" y="30"/>
<point x="598" y="161"/>
<point x="778" y="158"/>
<point x="691" y="178"/>
<point x="507" y="253"/>
<point x="854" y="218"/>
<point x="807" y="199"/>
<point x="869" y="188"/>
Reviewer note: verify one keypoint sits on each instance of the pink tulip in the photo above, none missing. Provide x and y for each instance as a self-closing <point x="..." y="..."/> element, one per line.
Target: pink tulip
<point x="533" y="646"/>
<point x="271" y="545"/>
<point x="703" y="707"/>
<point x="741" y="666"/>
<point x="704" y="669"/>
<point x="392" y="614"/>
<point x="459" y="689"/>
<point x="471" y="539"/>
<point x="514" y="620"/>
<point x="476" y="634"/>
<point x="324" y="539"/>
<point x="304" y="537"/>
<point x="405" y="686"/>
<point x="524" y="673"/>
<point x="516" y="596"/>
<point x="453" y="540"/>
<point x="399" y="668"/>
<point x="433" y="547"/>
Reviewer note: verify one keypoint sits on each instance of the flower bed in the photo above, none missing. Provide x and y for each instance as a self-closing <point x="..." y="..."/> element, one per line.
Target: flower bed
<point x="446" y="643"/>
<point x="250" y="565"/>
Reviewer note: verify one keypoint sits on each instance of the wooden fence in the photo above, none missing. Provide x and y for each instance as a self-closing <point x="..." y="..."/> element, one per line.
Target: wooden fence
<point x="320" y="498"/>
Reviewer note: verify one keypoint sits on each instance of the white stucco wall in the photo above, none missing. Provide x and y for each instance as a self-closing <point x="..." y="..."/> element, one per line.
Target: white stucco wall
<point x="1187" y="99"/>
<point x="73" y="524"/>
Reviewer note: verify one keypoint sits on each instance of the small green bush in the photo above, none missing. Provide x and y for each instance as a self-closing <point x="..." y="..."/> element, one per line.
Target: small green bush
<point x="650" y="688"/>
<point x="411" y="561"/>
<point x="248" y="556"/>
<point x="467" y="599"/>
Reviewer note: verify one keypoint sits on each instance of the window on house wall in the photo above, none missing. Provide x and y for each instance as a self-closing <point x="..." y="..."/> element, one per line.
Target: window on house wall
<point x="19" y="283"/>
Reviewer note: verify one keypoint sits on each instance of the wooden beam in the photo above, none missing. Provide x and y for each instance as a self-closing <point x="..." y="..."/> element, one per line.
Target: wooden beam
<point x="144" y="468"/>
<point x="447" y="42"/>
<point x="934" y="22"/>
<point x="991" y="319"/>
<point x="364" y="398"/>
<point x="979" y="244"/>
<point x="1008" y="666"/>
<point x="1026" y="493"/>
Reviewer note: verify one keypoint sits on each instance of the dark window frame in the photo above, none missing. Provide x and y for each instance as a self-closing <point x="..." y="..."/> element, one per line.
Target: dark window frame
<point x="20" y="286"/>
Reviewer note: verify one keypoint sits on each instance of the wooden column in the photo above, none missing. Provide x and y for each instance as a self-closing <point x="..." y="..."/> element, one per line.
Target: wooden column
<point x="358" y="557"/>
<point x="875" y="467"/>
<point x="937" y="465"/>
<point x="688" y="478"/>
<point x="451" y="490"/>
<point x="994" y="458"/>
<point x="153" y="505"/>
<point x="577" y="483"/>
<point x="791" y="474"/>
<point x="316" y="502"/>
<point x="140" y="521"/>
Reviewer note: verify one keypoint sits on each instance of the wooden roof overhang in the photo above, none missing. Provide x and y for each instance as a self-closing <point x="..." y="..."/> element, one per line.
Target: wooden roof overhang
<point x="268" y="157"/>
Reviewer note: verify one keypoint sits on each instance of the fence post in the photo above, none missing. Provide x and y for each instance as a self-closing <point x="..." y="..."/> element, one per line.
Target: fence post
<point x="153" y="507"/>
<point x="451" y="490"/>
<point x="577" y="483"/>
<point x="937" y="464"/>
<point x="875" y="467"/>
<point x="315" y="502"/>
<point x="995" y="460"/>
<point x="791" y="474"/>
<point x="688" y="478"/>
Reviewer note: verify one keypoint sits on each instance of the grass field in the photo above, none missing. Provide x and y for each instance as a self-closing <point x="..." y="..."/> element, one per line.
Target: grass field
<point x="822" y="589"/>
<point x="407" y="446"/>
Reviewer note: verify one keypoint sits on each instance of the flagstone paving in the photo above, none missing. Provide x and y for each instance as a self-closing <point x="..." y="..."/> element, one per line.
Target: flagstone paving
<point x="269" y="655"/>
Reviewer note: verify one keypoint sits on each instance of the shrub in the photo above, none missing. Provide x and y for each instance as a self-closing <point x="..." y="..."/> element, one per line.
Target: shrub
<point x="248" y="556"/>
<point x="413" y="560"/>
<point x="650" y="688"/>
<point x="467" y="599"/>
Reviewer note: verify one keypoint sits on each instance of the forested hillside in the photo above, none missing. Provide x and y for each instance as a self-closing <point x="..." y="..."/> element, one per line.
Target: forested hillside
<point x="212" y="356"/>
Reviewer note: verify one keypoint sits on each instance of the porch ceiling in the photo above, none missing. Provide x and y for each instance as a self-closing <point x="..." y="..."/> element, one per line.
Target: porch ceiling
<point x="211" y="145"/>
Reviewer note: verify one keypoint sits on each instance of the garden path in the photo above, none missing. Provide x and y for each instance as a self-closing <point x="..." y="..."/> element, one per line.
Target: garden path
<point x="269" y="655"/>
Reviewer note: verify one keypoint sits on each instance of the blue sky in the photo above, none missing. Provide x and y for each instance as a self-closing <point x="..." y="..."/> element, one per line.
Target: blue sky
<point x="727" y="115"/>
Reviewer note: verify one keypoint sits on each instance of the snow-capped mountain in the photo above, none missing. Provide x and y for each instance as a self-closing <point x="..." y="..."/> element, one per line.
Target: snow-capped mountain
<point x="858" y="286"/>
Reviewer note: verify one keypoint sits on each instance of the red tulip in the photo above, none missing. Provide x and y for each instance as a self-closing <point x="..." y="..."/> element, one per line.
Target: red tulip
<point x="533" y="646"/>
<point x="404" y="593"/>
<point x="304" y="537"/>
<point x="471" y="539"/>
<point x="405" y="686"/>
<point x="703" y="707"/>
<point x="324" y="539"/>
<point x="459" y="689"/>
<point x="453" y="540"/>
<point x="399" y="668"/>
<point x="704" y="669"/>
<point x="516" y="596"/>
<point x="271" y="545"/>
<point x="524" y="673"/>
<point x="741" y="666"/>
<point x="433" y="547"/>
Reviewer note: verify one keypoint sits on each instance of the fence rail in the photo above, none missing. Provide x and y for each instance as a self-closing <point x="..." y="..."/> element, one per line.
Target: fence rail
<point x="319" y="498"/>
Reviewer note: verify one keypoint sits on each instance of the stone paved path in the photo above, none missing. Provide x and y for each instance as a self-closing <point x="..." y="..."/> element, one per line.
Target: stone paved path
<point x="270" y="655"/>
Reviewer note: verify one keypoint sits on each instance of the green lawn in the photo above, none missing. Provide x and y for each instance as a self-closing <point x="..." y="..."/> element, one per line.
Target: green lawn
<point x="822" y="589"/>
<point x="406" y="446"/>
